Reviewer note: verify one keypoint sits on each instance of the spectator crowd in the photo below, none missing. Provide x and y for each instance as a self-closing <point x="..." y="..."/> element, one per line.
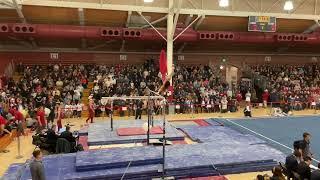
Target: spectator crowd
<point x="197" y="88"/>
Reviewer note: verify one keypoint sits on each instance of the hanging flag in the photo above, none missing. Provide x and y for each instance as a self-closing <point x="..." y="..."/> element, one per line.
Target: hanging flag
<point x="163" y="64"/>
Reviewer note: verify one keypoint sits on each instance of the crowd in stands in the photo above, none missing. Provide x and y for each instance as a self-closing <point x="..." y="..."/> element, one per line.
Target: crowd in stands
<point x="197" y="88"/>
<point x="42" y="90"/>
<point x="297" y="87"/>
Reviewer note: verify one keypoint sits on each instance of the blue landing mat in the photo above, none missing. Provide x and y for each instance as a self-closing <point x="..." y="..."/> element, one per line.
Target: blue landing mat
<point x="219" y="133"/>
<point x="14" y="171"/>
<point x="117" y="158"/>
<point x="193" y="160"/>
<point x="284" y="130"/>
<point x="100" y="134"/>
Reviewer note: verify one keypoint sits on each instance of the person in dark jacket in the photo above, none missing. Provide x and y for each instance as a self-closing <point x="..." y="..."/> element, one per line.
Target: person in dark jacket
<point x="292" y="162"/>
<point x="68" y="135"/>
<point x="305" y="146"/>
<point x="315" y="175"/>
<point x="304" y="169"/>
<point x="36" y="166"/>
<point x="51" y="138"/>
<point x="139" y="105"/>
<point x="51" y="105"/>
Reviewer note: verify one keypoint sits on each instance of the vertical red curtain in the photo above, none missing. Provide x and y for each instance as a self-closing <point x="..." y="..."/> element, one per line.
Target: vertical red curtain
<point x="163" y="64"/>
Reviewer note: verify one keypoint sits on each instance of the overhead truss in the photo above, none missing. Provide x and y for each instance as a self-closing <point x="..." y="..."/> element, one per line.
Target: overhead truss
<point x="237" y="11"/>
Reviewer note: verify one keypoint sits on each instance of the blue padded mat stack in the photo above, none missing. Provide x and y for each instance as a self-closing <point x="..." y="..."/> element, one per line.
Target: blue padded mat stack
<point x="222" y="151"/>
<point x="100" y="133"/>
<point x="111" y="158"/>
<point x="14" y="171"/>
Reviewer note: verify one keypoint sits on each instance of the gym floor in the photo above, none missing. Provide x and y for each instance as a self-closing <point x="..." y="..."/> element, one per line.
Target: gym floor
<point x="27" y="147"/>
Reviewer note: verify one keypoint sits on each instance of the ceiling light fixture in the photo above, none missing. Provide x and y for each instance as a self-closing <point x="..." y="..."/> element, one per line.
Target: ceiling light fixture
<point x="148" y="1"/>
<point x="288" y="5"/>
<point x="223" y="3"/>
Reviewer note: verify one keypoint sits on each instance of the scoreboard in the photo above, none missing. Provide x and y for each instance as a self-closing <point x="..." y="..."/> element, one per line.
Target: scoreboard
<point x="262" y="24"/>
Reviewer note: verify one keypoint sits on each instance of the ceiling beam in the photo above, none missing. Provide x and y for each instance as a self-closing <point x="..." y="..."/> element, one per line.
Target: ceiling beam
<point x="188" y="20"/>
<point x="19" y="12"/>
<point x="199" y="22"/>
<point x="155" y="21"/>
<point x="180" y="50"/>
<point x="128" y="19"/>
<point x="117" y="7"/>
<point x="23" y="20"/>
<point x="176" y="17"/>
<point x="251" y="6"/>
<point x="126" y="25"/>
<point x="312" y="28"/>
<point x="82" y="23"/>
<point x="5" y="4"/>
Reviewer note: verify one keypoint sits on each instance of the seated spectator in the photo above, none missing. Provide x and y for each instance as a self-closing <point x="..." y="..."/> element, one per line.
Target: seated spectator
<point x="315" y="175"/>
<point x="304" y="169"/>
<point x="67" y="134"/>
<point x="51" y="138"/>
<point x="263" y="177"/>
<point x="277" y="174"/>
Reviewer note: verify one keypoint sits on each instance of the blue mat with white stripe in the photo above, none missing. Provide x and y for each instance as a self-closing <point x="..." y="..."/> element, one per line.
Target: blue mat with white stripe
<point x="222" y="151"/>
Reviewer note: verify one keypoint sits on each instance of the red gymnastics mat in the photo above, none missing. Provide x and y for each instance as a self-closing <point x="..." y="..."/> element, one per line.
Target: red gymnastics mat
<point x="201" y="122"/>
<point x="133" y="131"/>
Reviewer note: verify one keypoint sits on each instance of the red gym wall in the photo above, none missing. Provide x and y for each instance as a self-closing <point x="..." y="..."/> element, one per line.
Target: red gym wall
<point x="88" y="58"/>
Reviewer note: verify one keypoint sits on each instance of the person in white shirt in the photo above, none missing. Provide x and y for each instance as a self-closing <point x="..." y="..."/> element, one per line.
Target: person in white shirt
<point x="74" y="110"/>
<point x="224" y="104"/>
<point x="248" y="97"/>
<point x="68" y="110"/>
<point x="79" y="109"/>
<point x="76" y="95"/>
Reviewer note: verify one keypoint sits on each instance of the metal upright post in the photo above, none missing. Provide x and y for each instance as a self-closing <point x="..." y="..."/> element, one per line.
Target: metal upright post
<point x="111" y="116"/>
<point x="164" y="141"/>
<point x="19" y="156"/>
<point x="148" y="112"/>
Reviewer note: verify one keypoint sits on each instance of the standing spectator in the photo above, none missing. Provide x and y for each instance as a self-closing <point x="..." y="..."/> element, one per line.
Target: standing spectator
<point x="139" y="105"/>
<point x="305" y="146"/>
<point x="36" y="166"/>
<point x="248" y="98"/>
<point x="51" y="105"/>
<point x="304" y="169"/>
<point x="19" y="118"/>
<point x="224" y="104"/>
<point x="3" y="123"/>
<point x="91" y="111"/>
<point x="41" y="119"/>
<point x="265" y="98"/>
<point x="74" y="110"/>
<point x="59" y="115"/>
<point x="79" y="109"/>
<point x="292" y="162"/>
